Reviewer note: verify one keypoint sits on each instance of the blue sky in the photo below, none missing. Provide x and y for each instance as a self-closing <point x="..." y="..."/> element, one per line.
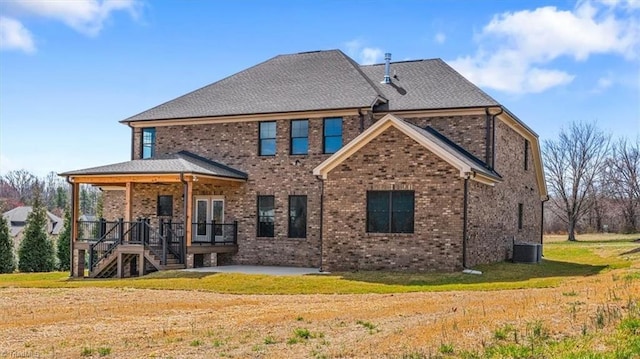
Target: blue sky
<point x="70" y="70"/>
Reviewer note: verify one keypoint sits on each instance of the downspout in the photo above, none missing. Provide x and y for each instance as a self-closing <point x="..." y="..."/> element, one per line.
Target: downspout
<point x="542" y="223"/>
<point x="488" y="139"/>
<point x="132" y="137"/>
<point x="361" y="116"/>
<point x="185" y="193"/>
<point x="321" y="216"/>
<point x="464" y="221"/>
<point x="73" y="225"/>
<point x="493" y="137"/>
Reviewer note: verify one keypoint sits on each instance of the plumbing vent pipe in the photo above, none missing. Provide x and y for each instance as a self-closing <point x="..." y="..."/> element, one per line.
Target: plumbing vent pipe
<point x="387" y="65"/>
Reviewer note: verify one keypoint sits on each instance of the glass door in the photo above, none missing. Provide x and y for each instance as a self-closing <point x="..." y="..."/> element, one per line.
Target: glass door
<point x="201" y="215"/>
<point x="209" y="219"/>
<point x="217" y="216"/>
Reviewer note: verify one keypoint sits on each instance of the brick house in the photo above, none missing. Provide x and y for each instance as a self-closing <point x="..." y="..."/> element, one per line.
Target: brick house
<point x="310" y="159"/>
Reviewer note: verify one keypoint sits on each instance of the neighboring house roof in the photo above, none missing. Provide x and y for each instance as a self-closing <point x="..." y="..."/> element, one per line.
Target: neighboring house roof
<point x="305" y="81"/>
<point x="426" y="84"/>
<point x="17" y="219"/>
<point x="467" y="164"/>
<point x="181" y="162"/>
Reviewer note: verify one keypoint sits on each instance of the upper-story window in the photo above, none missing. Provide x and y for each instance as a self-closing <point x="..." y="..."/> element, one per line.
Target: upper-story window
<point x="299" y="137"/>
<point x="267" y="138"/>
<point x="332" y="135"/>
<point x="148" y="142"/>
<point x="526" y="155"/>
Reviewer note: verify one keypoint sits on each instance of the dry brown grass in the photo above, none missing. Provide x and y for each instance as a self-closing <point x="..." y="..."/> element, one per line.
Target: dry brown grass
<point x="186" y="324"/>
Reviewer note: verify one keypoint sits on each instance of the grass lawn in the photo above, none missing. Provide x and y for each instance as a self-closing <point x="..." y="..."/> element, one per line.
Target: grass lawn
<point x="583" y="301"/>
<point x="562" y="260"/>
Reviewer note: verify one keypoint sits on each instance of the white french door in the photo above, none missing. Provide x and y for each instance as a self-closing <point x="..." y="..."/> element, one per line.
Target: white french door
<point x="208" y="210"/>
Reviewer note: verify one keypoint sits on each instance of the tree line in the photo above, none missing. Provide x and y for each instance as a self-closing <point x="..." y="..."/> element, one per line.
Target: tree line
<point x="18" y="188"/>
<point x="38" y="252"/>
<point x="593" y="181"/>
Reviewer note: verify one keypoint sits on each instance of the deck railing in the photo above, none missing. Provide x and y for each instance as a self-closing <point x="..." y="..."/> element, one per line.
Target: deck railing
<point x="221" y="234"/>
<point x="168" y="238"/>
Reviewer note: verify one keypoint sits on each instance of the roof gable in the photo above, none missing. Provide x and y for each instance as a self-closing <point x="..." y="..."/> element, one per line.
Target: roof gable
<point x="469" y="166"/>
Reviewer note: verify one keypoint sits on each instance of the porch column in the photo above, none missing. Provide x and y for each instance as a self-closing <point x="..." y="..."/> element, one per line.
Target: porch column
<point x="128" y="202"/>
<point x="188" y="198"/>
<point x="77" y="255"/>
<point x="189" y="211"/>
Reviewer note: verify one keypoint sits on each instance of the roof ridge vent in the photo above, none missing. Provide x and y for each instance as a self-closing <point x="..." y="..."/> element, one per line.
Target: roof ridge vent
<point x="387" y="66"/>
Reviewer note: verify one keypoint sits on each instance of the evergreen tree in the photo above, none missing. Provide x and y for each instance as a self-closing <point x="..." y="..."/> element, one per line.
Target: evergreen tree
<point x="36" y="251"/>
<point x="7" y="264"/>
<point x="64" y="243"/>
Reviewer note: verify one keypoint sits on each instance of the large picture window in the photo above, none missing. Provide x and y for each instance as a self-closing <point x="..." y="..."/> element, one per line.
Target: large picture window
<point x="267" y="137"/>
<point x="266" y="216"/>
<point x="297" y="216"/>
<point x="332" y="135"/>
<point x="148" y="142"/>
<point x="299" y="137"/>
<point x="390" y="211"/>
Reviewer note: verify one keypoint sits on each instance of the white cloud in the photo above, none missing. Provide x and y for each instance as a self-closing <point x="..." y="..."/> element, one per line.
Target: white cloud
<point x="84" y="16"/>
<point x="14" y="36"/>
<point x="440" y="38"/>
<point x="516" y="49"/>
<point x="364" y="55"/>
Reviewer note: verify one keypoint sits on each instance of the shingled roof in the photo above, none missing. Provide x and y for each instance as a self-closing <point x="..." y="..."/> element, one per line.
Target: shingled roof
<point x="306" y="81"/>
<point x="324" y="80"/>
<point x="426" y="84"/>
<point x="181" y="162"/>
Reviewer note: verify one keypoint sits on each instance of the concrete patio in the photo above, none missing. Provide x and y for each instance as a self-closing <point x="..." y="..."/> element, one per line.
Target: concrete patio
<point x="268" y="270"/>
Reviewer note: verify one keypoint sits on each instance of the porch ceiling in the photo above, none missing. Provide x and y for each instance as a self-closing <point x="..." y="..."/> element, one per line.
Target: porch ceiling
<point x="170" y="168"/>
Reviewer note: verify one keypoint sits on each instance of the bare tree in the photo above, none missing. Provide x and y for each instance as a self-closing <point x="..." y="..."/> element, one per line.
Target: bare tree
<point x="623" y="180"/>
<point x="573" y="163"/>
<point x="22" y="181"/>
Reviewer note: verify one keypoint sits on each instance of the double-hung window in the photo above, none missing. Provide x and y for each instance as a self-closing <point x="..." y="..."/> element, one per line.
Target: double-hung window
<point x="332" y="135"/>
<point x="267" y="136"/>
<point x="266" y="216"/>
<point x="148" y="142"/>
<point x="297" y="216"/>
<point x="390" y="211"/>
<point x="299" y="137"/>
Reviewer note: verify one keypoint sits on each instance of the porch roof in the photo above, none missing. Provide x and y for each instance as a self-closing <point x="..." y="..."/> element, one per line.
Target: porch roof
<point x="183" y="162"/>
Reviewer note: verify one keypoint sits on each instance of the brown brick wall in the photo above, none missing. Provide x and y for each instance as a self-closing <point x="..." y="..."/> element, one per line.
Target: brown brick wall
<point x="393" y="161"/>
<point x="236" y="145"/>
<point x="468" y="132"/>
<point x="493" y="211"/>
<point x="436" y="243"/>
<point x="113" y="205"/>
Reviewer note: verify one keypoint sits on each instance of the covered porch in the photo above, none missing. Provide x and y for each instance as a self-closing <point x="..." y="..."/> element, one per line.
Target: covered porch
<point x="166" y="212"/>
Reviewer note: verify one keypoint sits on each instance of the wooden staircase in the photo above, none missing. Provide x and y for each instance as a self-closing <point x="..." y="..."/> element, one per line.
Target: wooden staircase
<point x="107" y="267"/>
